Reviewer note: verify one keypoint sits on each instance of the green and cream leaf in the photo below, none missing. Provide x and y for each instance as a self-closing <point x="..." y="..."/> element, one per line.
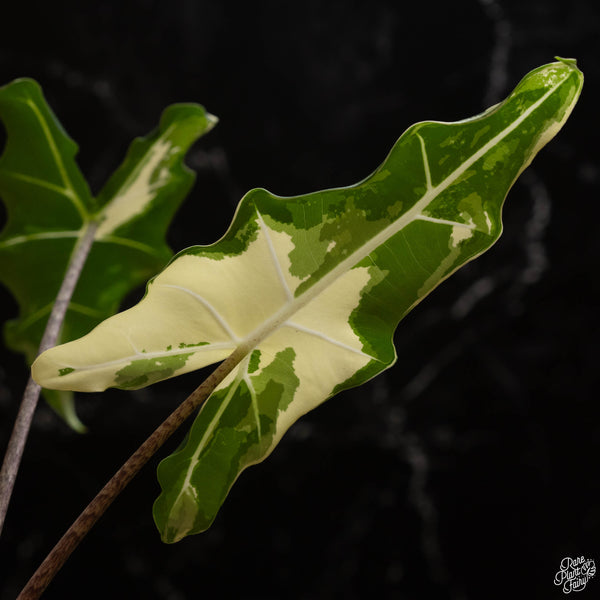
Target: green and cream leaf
<point x="50" y="209"/>
<point x="310" y="289"/>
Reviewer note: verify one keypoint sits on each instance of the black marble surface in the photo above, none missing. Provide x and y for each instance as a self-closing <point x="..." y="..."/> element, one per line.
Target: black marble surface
<point x="468" y="470"/>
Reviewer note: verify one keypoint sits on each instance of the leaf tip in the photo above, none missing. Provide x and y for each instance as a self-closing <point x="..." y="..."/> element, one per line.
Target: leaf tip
<point x="571" y="65"/>
<point x="572" y="62"/>
<point x="23" y="83"/>
<point x="211" y="121"/>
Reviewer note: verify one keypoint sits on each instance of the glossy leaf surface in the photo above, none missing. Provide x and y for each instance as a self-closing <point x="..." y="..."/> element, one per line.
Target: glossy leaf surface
<point x="50" y="208"/>
<point x="311" y="289"/>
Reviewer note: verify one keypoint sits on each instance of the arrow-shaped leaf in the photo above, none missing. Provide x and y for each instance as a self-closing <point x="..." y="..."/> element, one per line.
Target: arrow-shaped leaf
<point x="50" y="208"/>
<point x="309" y="290"/>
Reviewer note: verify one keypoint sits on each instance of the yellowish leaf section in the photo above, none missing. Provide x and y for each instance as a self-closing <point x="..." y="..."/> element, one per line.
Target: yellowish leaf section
<point x="138" y="190"/>
<point x="204" y="307"/>
<point x="328" y="351"/>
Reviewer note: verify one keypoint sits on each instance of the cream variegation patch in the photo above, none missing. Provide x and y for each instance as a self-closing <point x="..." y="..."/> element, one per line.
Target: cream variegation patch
<point x="138" y="189"/>
<point x="204" y="307"/>
<point x="328" y="350"/>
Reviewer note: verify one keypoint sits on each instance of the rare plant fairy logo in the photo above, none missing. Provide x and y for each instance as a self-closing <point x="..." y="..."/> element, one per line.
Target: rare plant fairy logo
<point x="574" y="573"/>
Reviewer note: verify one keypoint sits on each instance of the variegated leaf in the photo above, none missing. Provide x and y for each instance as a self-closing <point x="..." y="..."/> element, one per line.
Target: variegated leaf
<point x="50" y="208"/>
<point x="310" y="290"/>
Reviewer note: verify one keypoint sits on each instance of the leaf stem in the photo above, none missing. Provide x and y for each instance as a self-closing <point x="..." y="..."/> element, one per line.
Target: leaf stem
<point x="18" y="438"/>
<point x="97" y="507"/>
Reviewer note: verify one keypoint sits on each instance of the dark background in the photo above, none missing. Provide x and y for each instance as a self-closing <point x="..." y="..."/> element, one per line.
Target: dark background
<point x="469" y="469"/>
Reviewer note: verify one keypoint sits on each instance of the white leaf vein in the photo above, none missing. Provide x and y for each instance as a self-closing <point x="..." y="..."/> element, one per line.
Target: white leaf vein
<point x="48" y="235"/>
<point x="445" y="222"/>
<point x="425" y="162"/>
<point x="272" y="253"/>
<point x="149" y="355"/>
<point x="248" y="381"/>
<point x="213" y="311"/>
<point x="325" y="337"/>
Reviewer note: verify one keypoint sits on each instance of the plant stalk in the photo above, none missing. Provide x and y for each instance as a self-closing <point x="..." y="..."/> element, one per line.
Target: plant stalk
<point x="97" y="507"/>
<point x="18" y="438"/>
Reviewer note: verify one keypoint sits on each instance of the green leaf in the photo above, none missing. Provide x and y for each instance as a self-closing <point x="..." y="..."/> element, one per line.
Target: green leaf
<point x="310" y="289"/>
<point x="50" y="208"/>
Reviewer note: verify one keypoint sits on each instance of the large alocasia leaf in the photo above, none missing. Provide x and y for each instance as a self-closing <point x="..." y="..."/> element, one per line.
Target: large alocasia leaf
<point x="309" y="290"/>
<point x="50" y="208"/>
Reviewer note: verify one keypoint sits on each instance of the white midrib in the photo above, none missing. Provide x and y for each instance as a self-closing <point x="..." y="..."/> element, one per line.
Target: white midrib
<point x="294" y="305"/>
